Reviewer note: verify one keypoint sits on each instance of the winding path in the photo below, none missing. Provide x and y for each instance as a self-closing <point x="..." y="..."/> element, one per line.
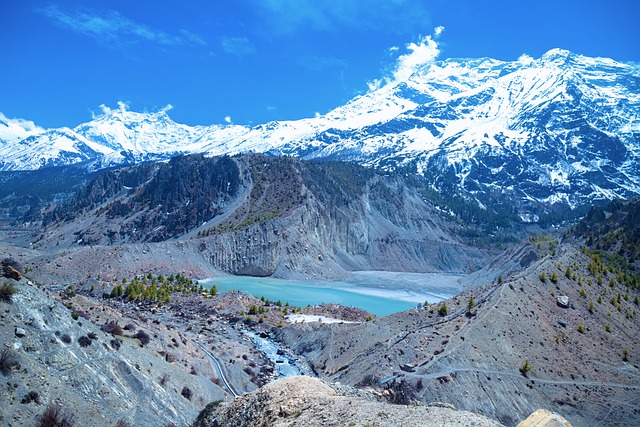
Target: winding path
<point x="218" y="368"/>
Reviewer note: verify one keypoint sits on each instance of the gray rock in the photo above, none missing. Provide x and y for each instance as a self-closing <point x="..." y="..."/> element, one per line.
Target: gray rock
<point x="20" y="332"/>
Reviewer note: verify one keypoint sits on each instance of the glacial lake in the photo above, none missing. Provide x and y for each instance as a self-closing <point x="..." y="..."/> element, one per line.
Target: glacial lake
<point x="378" y="292"/>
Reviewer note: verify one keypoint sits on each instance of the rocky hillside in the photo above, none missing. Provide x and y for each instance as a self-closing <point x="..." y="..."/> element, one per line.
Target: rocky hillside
<point x="51" y="355"/>
<point x="259" y="215"/>
<point x="309" y="402"/>
<point x="560" y="334"/>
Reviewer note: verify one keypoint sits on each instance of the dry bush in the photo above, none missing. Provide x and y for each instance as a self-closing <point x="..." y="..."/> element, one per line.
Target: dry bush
<point x="8" y="361"/>
<point x="56" y="416"/>
<point x="112" y="328"/>
<point x="84" y="341"/>
<point x="143" y="337"/>
<point x="186" y="393"/>
<point x="7" y="291"/>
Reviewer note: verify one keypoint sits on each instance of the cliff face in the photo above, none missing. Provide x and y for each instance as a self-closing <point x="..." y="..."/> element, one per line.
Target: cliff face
<point x="257" y="215"/>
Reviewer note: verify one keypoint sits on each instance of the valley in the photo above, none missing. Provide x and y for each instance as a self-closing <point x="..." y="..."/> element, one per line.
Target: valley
<point x="459" y="248"/>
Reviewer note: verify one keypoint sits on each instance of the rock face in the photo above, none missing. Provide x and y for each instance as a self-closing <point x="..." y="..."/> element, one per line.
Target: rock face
<point x="255" y="215"/>
<point x="309" y="402"/>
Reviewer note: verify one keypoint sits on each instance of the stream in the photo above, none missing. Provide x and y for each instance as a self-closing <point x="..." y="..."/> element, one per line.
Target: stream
<point x="286" y="365"/>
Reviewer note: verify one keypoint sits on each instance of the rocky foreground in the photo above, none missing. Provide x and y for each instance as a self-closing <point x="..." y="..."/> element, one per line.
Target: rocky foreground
<point x="310" y="402"/>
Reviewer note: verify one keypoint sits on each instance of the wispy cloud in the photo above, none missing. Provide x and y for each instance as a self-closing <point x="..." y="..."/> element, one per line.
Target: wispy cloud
<point x="113" y="29"/>
<point x="419" y="54"/>
<point x="399" y="16"/>
<point x="239" y="46"/>
<point x="424" y="52"/>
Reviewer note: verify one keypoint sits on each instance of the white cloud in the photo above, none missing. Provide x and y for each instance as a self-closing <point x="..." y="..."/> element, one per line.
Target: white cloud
<point x="167" y="107"/>
<point x="525" y="59"/>
<point x="27" y="125"/>
<point x="419" y="54"/>
<point x="422" y="53"/>
<point x="13" y="130"/>
<point x="227" y="119"/>
<point x="374" y="85"/>
<point x="114" y="30"/>
<point x="239" y="46"/>
<point x="317" y="115"/>
<point x="105" y="110"/>
<point x="437" y="31"/>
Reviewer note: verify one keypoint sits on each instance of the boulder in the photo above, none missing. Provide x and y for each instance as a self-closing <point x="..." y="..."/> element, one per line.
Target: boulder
<point x="563" y="301"/>
<point x="544" y="418"/>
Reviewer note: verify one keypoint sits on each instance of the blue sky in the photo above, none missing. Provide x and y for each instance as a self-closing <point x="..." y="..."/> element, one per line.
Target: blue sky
<point x="251" y="61"/>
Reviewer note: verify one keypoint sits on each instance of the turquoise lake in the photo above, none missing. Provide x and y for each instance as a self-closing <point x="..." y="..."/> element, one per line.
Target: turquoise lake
<point x="380" y="293"/>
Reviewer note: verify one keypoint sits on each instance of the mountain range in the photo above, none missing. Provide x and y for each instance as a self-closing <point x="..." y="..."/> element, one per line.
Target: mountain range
<point x="561" y="131"/>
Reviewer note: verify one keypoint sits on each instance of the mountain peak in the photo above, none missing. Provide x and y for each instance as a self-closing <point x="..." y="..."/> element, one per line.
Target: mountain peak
<point x="555" y="130"/>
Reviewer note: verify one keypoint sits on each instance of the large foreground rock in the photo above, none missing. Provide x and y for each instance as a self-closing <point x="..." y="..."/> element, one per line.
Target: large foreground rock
<point x="306" y="401"/>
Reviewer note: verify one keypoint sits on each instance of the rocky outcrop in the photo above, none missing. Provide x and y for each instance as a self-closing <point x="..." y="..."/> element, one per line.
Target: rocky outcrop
<point x="259" y="216"/>
<point x="309" y="402"/>
<point x="11" y="269"/>
<point x="544" y="418"/>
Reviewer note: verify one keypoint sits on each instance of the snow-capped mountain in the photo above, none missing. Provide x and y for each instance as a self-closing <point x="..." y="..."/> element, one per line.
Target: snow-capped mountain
<point x="562" y="128"/>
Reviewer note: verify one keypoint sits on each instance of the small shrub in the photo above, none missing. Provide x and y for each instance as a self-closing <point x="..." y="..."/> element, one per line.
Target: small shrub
<point x="56" y="416"/>
<point x="580" y="328"/>
<point x="74" y="315"/>
<point x="115" y="344"/>
<point x="112" y="328"/>
<point x="554" y="277"/>
<point x="625" y="354"/>
<point x="607" y="328"/>
<point x="186" y="393"/>
<point x="443" y="310"/>
<point x="122" y="423"/>
<point x="129" y="327"/>
<point x="66" y="339"/>
<point x="92" y="335"/>
<point x="543" y="277"/>
<point x="32" y="396"/>
<point x="7" y="291"/>
<point x="8" y="361"/>
<point x="84" y="341"/>
<point x="525" y="368"/>
<point x="143" y="337"/>
<point x="472" y="302"/>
